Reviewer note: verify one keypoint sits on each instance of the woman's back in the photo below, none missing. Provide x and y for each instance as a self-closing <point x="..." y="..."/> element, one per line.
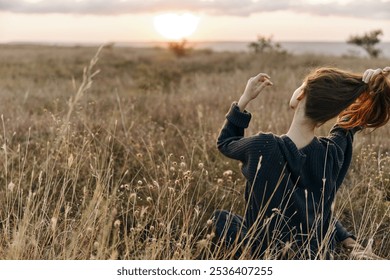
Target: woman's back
<point x="289" y="190"/>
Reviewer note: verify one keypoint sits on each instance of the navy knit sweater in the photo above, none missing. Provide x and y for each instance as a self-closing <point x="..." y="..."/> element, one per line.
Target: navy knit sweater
<point x="289" y="191"/>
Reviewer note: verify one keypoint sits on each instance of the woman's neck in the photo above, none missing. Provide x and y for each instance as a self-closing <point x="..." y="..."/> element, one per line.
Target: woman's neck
<point x="301" y="131"/>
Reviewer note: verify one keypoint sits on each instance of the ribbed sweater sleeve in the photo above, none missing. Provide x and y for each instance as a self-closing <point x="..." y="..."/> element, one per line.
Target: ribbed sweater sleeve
<point x="231" y="141"/>
<point x="342" y="137"/>
<point x="343" y="140"/>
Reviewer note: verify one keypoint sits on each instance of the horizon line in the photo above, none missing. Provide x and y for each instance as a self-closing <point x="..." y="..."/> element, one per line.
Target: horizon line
<point x="163" y="41"/>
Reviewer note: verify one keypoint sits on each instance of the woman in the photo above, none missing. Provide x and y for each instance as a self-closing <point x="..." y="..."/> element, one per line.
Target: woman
<point x="292" y="179"/>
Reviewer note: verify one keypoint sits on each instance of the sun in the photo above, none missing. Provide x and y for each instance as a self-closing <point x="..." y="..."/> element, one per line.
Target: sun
<point x="176" y="26"/>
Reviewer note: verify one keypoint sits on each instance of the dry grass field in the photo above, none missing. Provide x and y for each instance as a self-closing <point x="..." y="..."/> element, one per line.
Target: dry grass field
<point x="122" y="164"/>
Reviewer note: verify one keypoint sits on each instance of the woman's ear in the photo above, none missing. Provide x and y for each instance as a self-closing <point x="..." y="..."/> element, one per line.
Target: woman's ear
<point x="298" y="95"/>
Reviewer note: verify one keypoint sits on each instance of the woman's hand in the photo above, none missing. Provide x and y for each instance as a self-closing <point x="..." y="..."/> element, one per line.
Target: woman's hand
<point x="253" y="88"/>
<point x="358" y="252"/>
<point x="369" y="73"/>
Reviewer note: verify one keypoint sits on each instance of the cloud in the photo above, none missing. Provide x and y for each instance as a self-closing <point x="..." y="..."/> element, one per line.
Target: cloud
<point x="374" y="9"/>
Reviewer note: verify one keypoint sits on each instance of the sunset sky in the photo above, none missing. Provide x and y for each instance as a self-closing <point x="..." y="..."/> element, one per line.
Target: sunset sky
<point x="218" y="20"/>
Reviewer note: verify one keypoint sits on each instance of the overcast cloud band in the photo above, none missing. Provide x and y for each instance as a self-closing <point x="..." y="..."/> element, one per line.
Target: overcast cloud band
<point x="374" y="9"/>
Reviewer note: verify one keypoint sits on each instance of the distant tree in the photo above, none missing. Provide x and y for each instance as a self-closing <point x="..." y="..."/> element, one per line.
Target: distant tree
<point x="264" y="44"/>
<point x="180" y="48"/>
<point x="367" y="41"/>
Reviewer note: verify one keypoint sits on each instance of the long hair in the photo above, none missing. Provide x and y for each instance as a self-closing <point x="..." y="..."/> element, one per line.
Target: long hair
<point x="332" y="92"/>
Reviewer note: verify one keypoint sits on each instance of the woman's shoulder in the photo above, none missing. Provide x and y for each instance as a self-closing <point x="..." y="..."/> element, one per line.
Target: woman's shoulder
<point x="268" y="137"/>
<point x="264" y="140"/>
<point x="337" y="143"/>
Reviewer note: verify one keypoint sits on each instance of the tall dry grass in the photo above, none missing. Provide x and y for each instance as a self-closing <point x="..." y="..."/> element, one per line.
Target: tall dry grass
<point x="123" y="164"/>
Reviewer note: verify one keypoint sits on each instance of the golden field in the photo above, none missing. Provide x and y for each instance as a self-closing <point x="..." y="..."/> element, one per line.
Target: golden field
<point x="119" y="161"/>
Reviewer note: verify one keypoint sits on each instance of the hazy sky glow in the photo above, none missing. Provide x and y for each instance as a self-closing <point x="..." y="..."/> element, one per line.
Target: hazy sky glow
<point x="231" y="20"/>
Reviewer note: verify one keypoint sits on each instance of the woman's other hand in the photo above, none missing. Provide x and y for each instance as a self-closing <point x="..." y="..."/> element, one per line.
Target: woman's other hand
<point x="369" y="73"/>
<point x="358" y="252"/>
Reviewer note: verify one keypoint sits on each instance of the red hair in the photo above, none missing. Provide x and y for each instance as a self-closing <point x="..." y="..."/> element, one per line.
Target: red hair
<point x="332" y="92"/>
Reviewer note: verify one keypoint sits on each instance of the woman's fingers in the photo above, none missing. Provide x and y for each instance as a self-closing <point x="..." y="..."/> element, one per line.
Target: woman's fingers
<point x="256" y="84"/>
<point x="264" y="78"/>
<point x="265" y="83"/>
<point x="366" y="75"/>
<point x="377" y="71"/>
<point x="363" y="255"/>
<point x="261" y="77"/>
<point x="386" y="70"/>
<point x="359" y="252"/>
<point x="369" y="73"/>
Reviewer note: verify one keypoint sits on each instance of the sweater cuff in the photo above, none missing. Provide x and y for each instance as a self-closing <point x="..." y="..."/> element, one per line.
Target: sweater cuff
<point x="238" y="118"/>
<point x="342" y="233"/>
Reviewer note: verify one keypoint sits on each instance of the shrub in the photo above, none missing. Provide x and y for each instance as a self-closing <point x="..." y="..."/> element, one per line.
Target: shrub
<point x="180" y="49"/>
<point x="265" y="44"/>
<point x="368" y="41"/>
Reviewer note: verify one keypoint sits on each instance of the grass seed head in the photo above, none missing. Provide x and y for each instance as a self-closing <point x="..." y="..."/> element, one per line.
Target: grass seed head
<point x="117" y="223"/>
<point x="11" y="186"/>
